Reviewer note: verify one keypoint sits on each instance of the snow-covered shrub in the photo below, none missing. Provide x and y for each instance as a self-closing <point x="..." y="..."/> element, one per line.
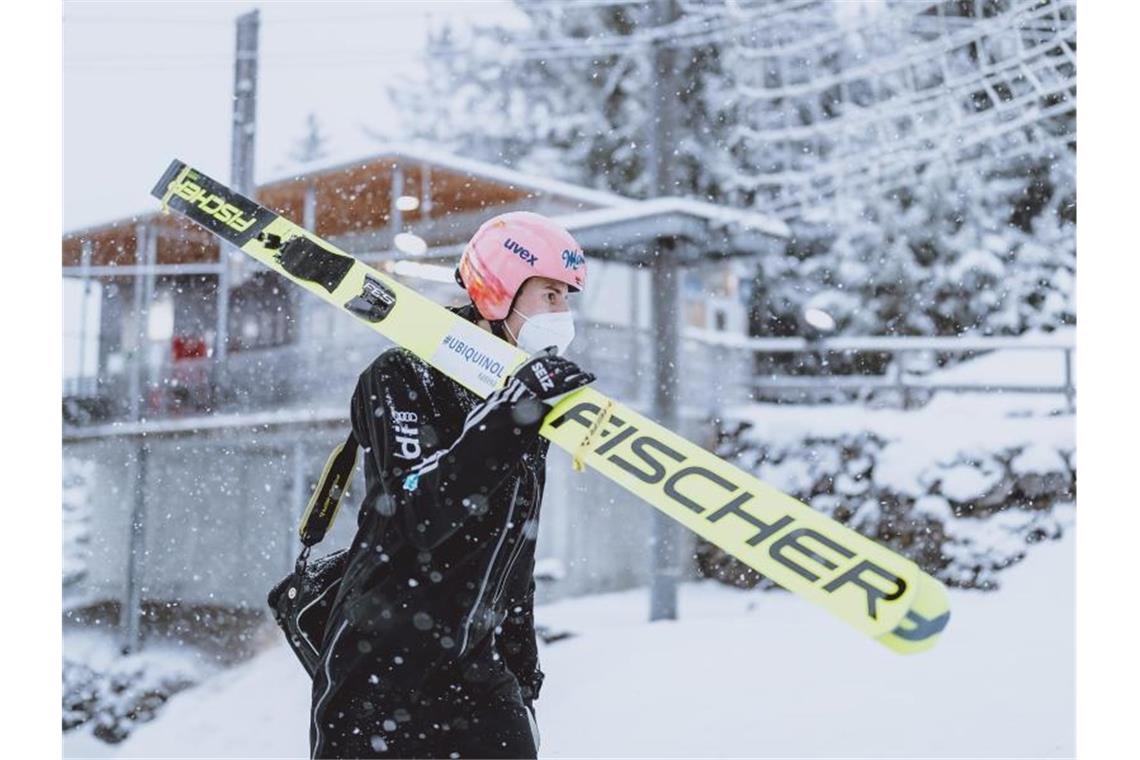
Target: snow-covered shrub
<point x="980" y="548"/>
<point x="109" y="694"/>
<point x="1040" y="470"/>
<point x="962" y="518"/>
<point x="130" y="691"/>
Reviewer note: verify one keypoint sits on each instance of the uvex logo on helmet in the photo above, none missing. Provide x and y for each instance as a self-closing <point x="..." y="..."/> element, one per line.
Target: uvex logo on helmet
<point x="520" y="251"/>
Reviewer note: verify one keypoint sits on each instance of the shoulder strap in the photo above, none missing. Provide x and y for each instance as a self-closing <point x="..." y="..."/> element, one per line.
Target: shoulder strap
<point x="322" y="507"/>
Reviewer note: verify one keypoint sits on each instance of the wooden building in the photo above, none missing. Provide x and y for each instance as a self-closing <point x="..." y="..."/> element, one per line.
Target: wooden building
<point x="162" y="318"/>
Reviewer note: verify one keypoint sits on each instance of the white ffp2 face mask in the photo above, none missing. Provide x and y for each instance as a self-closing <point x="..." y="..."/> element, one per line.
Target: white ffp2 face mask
<point x="554" y="328"/>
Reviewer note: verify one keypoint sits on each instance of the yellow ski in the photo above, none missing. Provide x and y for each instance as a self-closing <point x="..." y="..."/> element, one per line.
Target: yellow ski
<point x="872" y="588"/>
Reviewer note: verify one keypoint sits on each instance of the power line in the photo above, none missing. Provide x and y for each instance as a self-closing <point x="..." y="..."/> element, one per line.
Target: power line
<point x="686" y="32"/>
<point x="688" y="28"/>
<point x="421" y="9"/>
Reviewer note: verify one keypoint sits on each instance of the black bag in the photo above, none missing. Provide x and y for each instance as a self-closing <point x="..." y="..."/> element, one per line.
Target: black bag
<point x="302" y="600"/>
<point x="301" y="604"/>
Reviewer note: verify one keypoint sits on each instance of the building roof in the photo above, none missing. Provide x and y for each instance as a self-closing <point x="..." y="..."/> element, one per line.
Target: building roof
<point x="353" y="208"/>
<point x="716" y="216"/>
<point x="426" y="153"/>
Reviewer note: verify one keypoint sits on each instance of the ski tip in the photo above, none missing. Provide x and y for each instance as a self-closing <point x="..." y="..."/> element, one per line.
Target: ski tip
<point x="923" y="623"/>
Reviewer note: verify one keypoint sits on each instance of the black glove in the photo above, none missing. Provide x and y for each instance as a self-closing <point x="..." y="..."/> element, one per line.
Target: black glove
<point x="548" y="375"/>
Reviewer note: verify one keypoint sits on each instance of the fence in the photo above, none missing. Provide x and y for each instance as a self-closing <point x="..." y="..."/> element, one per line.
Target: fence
<point x="912" y="370"/>
<point x="716" y="369"/>
<point x="719" y="369"/>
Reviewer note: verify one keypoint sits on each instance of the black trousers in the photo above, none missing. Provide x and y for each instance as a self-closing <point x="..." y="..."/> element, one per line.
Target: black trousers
<point x="458" y="725"/>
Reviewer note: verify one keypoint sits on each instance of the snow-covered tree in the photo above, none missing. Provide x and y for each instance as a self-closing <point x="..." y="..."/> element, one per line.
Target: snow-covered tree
<point x="313" y="146"/>
<point x="568" y="98"/>
<point x="957" y="254"/>
<point x="923" y="152"/>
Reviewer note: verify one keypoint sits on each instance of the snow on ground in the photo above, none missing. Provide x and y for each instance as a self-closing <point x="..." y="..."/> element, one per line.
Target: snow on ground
<point x="966" y="420"/>
<point x="119" y="683"/>
<point x="741" y="674"/>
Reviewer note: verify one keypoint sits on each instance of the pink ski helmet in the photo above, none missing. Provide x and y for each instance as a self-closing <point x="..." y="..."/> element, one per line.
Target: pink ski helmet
<point x="510" y="248"/>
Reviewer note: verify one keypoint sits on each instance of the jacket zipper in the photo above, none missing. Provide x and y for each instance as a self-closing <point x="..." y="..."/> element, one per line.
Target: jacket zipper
<point x="518" y="546"/>
<point x="328" y="686"/>
<point x="490" y="567"/>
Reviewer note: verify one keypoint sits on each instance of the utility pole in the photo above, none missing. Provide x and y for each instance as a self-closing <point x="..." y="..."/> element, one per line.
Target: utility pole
<point x="130" y="614"/>
<point x="666" y="297"/>
<point x="245" y="103"/>
<point x="241" y="165"/>
<point x="85" y="264"/>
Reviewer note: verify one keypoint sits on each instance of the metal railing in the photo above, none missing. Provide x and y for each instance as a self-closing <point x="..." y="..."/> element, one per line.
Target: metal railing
<point x="912" y="370"/>
<point x="298" y="375"/>
<point x="717" y="369"/>
<point x="722" y="368"/>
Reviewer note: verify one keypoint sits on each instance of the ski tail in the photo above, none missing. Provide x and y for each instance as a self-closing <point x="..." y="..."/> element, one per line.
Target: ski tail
<point x="229" y="215"/>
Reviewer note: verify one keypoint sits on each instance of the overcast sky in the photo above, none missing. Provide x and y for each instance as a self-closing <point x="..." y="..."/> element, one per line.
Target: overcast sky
<point x="145" y="82"/>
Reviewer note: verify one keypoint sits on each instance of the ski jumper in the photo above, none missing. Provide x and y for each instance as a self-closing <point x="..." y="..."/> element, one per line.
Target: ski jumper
<point x="430" y="647"/>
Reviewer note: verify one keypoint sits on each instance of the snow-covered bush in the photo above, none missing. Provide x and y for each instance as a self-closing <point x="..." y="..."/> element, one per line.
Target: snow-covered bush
<point x="115" y="693"/>
<point x="115" y="701"/>
<point x="962" y="517"/>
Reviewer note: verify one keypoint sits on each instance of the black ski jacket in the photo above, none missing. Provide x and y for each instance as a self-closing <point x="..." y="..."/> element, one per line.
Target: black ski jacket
<point x="438" y="591"/>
